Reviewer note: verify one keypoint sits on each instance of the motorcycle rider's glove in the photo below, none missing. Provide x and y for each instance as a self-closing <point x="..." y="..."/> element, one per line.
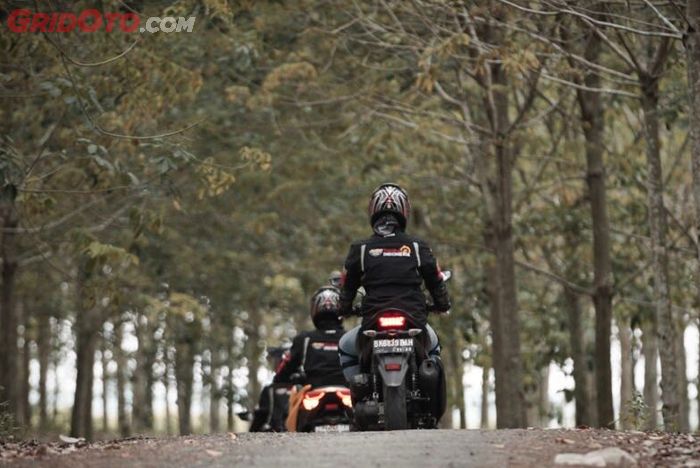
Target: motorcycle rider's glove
<point x="441" y="299"/>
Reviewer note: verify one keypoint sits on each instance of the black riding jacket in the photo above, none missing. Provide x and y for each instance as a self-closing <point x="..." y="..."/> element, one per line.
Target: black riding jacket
<point x="314" y="354"/>
<point x="392" y="269"/>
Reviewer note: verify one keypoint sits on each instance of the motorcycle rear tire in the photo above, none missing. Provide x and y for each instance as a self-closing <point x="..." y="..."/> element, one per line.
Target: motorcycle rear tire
<point x="395" y="417"/>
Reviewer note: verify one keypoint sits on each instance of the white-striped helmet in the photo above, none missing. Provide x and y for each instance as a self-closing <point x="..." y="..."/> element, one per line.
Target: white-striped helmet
<point x="389" y="198"/>
<point x="325" y="301"/>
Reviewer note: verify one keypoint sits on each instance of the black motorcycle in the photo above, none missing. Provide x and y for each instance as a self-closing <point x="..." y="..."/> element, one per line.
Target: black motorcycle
<point x="405" y="389"/>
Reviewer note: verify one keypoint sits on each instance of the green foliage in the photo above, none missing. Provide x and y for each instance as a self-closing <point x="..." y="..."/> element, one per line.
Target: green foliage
<point x="8" y="425"/>
<point x="638" y="413"/>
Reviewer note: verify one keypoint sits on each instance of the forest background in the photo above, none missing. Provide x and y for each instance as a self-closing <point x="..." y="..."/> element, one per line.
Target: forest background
<point x="169" y="202"/>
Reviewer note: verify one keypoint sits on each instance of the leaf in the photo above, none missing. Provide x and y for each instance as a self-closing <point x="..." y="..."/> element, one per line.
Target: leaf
<point x="133" y="178"/>
<point x="102" y="162"/>
<point x="214" y="453"/>
<point x="70" y="440"/>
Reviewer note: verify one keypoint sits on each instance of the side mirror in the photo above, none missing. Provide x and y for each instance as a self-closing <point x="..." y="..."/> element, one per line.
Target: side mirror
<point x="446" y="275"/>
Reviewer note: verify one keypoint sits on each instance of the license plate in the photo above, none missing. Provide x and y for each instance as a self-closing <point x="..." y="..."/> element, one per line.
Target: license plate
<point x="393" y="345"/>
<point x="333" y="428"/>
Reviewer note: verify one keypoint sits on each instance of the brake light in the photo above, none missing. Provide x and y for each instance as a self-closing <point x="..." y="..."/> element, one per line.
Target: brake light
<point x="312" y="399"/>
<point x="393" y="366"/>
<point x="344" y="396"/>
<point x="392" y="321"/>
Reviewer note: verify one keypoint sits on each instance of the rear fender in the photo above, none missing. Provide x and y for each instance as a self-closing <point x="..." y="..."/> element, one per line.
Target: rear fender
<point x="393" y="378"/>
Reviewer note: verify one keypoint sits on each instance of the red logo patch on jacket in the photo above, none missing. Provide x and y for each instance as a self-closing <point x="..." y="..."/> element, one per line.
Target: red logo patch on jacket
<point x="325" y="346"/>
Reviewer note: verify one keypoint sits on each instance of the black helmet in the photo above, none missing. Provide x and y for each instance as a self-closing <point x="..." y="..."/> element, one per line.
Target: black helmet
<point x="335" y="278"/>
<point x="276" y="352"/>
<point x="325" y="304"/>
<point x="389" y="199"/>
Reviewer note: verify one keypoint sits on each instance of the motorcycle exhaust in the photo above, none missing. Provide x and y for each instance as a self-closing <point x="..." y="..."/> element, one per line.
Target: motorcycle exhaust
<point x="428" y="378"/>
<point x="360" y="387"/>
<point x="366" y="413"/>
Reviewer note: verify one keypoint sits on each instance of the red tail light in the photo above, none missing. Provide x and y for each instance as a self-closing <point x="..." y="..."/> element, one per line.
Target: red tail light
<point x="392" y="321"/>
<point x="344" y="395"/>
<point x="392" y="367"/>
<point x="312" y="399"/>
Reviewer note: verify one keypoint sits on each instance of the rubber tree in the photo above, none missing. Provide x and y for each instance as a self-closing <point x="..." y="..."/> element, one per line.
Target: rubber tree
<point x="692" y="48"/>
<point x="8" y="315"/>
<point x="592" y="119"/>
<point x="649" y="77"/>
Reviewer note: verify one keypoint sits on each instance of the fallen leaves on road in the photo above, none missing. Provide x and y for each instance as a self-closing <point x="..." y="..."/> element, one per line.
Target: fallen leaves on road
<point x="11" y="449"/>
<point x="611" y="456"/>
<point x="71" y="440"/>
<point x="213" y="453"/>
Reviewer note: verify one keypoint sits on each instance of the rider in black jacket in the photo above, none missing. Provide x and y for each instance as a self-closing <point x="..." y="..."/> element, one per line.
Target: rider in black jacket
<point x="314" y="354"/>
<point x="273" y="401"/>
<point x="391" y="266"/>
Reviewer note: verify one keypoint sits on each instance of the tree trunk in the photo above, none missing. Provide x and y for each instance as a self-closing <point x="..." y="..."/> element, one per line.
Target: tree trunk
<point x="485" y="397"/>
<point x="105" y="387"/>
<point x="55" y="363"/>
<point x="230" y="394"/>
<point x="651" y="378"/>
<point x="459" y="382"/>
<point x="8" y="316"/>
<point x="592" y="123"/>
<point x="692" y="44"/>
<point x="25" y="413"/>
<point x="81" y="419"/>
<point x="544" y="405"/>
<point x="497" y="336"/>
<point x="584" y="402"/>
<point x="120" y="359"/>
<point x="138" y="405"/>
<point x="511" y="378"/>
<point x="166" y="383"/>
<point x="44" y="354"/>
<point x="683" y="382"/>
<point x="143" y="377"/>
<point x="253" y="354"/>
<point x="494" y="168"/>
<point x="505" y="322"/>
<point x="626" y="383"/>
<point x="454" y="368"/>
<point x="86" y="328"/>
<point x="214" y="393"/>
<point x="666" y="323"/>
<point x="184" y="362"/>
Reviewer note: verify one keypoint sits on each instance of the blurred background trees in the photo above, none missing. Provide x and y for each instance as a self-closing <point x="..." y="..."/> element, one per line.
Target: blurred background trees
<point x="169" y="202"/>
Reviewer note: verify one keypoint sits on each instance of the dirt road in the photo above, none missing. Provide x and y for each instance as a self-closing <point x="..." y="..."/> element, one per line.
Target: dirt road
<point x="404" y="449"/>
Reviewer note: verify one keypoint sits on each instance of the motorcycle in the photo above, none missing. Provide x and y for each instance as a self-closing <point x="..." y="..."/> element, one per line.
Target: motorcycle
<point x="404" y="388"/>
<point x="325" y="409"/>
